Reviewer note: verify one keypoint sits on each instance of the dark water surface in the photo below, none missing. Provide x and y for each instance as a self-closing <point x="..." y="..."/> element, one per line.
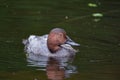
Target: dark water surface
<point x="95" y="24"/>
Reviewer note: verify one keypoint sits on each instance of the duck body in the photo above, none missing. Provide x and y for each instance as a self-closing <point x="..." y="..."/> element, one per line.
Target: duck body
<point x="38" y="45"/>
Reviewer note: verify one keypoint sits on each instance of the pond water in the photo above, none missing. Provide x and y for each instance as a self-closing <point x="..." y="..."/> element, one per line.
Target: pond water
<point x="95" y="24"/>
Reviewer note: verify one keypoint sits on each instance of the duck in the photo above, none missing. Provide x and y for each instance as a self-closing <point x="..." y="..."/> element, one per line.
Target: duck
<point x="54" y="44"/>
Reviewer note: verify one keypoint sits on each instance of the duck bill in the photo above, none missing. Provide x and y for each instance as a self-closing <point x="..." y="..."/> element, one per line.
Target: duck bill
<point x="71" y="42"/>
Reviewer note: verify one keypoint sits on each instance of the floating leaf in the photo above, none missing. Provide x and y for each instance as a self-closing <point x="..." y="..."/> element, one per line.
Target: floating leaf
<point x="97" y="14"/>
<point x="92" y="5"/>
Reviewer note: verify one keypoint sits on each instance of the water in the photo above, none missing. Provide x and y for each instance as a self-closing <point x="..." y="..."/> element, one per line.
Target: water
<point x="96" y="28"/>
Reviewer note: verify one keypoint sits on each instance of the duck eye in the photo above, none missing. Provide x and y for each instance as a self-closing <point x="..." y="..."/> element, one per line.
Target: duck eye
<point x="60" y="34"/>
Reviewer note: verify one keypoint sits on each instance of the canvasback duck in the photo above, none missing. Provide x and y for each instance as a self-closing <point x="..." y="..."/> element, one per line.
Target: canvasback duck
<point x="56" y="43"/>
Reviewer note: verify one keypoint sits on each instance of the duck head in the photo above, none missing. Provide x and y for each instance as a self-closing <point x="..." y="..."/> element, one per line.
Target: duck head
<point x="56" y="38"/>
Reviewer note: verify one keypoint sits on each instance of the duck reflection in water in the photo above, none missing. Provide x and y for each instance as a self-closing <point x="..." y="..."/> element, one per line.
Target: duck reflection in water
<point x="54" y="71"/>
<point x="57" y="68"/>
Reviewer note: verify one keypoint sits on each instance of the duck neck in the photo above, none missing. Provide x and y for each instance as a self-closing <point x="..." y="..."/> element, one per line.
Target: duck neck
<point x="53" y="47"/>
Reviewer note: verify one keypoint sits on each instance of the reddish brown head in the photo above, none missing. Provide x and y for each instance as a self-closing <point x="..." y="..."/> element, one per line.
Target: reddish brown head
<point x="56" y="37"/>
